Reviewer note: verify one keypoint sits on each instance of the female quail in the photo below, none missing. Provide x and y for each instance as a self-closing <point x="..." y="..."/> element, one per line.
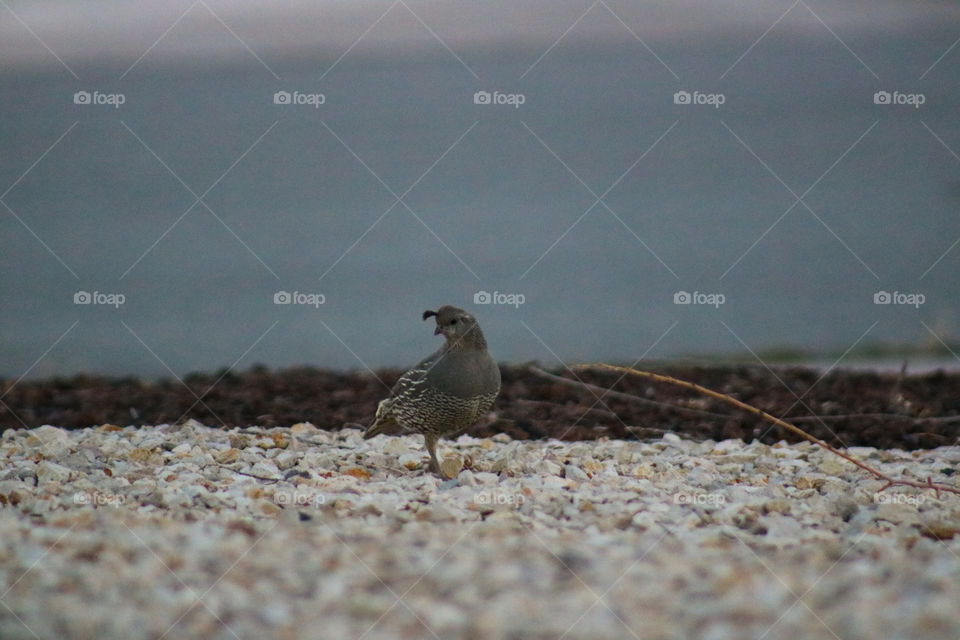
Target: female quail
<point x="448" y="391"/>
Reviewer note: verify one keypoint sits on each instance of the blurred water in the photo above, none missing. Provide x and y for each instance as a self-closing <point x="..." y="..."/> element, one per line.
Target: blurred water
<point x="297" y="198"/>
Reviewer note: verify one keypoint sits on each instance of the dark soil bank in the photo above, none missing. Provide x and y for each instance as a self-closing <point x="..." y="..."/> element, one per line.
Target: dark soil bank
<point x="843" y="407"/>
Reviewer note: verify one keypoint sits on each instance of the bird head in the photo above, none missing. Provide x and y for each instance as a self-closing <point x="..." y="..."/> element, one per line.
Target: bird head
<point x="458" y="327"/>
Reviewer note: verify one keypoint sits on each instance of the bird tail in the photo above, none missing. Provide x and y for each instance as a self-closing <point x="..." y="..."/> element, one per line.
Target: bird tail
<point x="377" y="428"/>
<point x="381" y="422"/>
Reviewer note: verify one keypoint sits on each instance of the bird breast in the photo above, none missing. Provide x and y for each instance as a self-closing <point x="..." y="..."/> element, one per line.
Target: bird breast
<point x="466" y="374"/>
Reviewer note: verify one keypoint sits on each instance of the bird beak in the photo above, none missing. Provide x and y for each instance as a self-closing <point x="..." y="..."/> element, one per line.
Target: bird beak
<point x="437" y="331"/>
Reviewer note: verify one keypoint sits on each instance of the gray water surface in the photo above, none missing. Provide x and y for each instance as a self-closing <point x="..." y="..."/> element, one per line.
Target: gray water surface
<point x="495" y="198"/>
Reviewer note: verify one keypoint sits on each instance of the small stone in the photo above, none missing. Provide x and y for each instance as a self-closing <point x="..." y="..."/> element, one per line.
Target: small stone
<point x="940" y="530"/>
<point x="644" y="471"/>
<point x="286" y="460"/>
<point x="778" y="505"/>
<point x="467" y="478"/>
<point x="671" y="438"/>
<point x="191" y="425"/>
<point x="440" y="513"/>
<point x="140" y="454"/>
<point x="303" y="428"/>
<point x="845" y="508"/>
<point x="51" y="471"/>
<point x="832" y="467"/>
<point x="485" y="477"/>
<point x="448" y="484"/>
<point x="28" y="474"/>
<point x="451" y="465"/>
<point x="411" y="461"/>
<point x="264" y="442"/>
<point x="182" y="450"/>
<point x="898" y="513"/>
<point x="239" y="440"/>
<point x="227" y="456"/>
<point x="396" y="447"/>
<point x="265" y="469"/>
<point x="154" y="499"/>
<point x="550" y="467"/>
<point x="575" y="473"/>
<point x="644" y="520"/>
<point x="807" y="482"/>
<point x="747" y="518"/>
<point x="297" y="474"/>
<point x="270" y="508"/>
<point x="48" y="438"/>
<point x="593" y="468"/>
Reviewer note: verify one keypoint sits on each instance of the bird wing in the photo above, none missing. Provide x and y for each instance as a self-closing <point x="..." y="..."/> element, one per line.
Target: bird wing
<point x="411" y="381"/>
<point x="409" y="385"/>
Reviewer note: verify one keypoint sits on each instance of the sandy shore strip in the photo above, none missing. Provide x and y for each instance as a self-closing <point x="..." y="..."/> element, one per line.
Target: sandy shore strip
<point x="188" y="531"/>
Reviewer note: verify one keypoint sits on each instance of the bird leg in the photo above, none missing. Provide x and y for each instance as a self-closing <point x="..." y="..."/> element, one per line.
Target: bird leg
<point x="431" y="443"/>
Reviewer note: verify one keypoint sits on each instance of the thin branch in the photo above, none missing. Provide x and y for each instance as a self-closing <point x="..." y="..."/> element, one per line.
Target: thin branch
<point x="620" y="395"/>
<point x="631" y="398"/>
<point x="890" y="482"/>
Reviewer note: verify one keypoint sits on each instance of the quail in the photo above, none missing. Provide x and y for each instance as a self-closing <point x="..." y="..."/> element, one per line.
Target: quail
<point x="447" y="391"/>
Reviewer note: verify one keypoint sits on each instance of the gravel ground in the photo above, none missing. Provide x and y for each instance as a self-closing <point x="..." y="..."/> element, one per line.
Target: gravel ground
<point x="190" y="531"/>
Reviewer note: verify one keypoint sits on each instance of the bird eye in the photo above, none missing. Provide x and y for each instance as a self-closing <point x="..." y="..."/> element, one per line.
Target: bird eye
<point x="454" y="321"/>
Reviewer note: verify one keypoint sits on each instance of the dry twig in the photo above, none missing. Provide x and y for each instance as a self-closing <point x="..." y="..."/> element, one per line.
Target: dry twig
<point x="610" y="393"/>
<point x="890" y="482"/>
